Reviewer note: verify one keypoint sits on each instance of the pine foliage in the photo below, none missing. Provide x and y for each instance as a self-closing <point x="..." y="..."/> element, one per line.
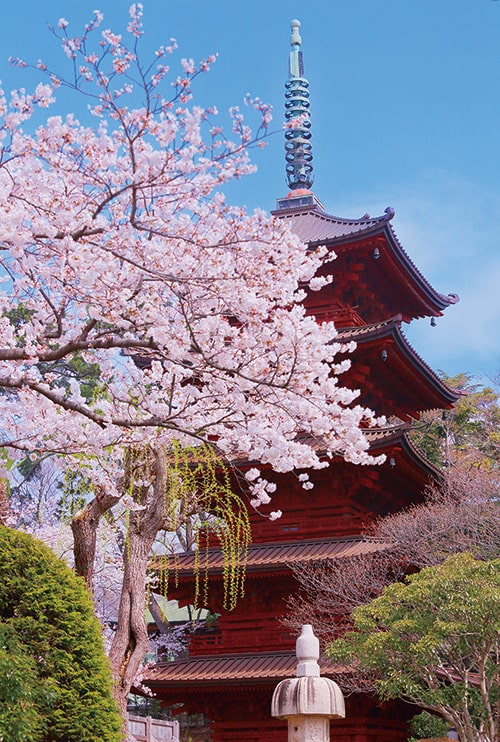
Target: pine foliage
<point x="46" y="614"/>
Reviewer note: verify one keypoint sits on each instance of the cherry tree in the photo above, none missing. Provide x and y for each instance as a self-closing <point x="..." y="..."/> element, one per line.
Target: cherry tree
<point x="119" y="253"/>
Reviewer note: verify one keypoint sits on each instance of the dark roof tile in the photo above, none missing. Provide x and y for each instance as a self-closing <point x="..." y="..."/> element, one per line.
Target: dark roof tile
<point x="278" y="554"/>
<point x="314" y="225"/>
<point x="229" y="668"/>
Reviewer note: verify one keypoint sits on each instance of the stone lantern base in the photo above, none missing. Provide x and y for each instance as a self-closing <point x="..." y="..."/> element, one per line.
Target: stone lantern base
<point x="308" y="729"/>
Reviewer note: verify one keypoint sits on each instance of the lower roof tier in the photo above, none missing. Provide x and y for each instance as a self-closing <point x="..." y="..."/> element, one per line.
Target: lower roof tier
<point x="274" y="556"/>
<point x="242" y="668"/>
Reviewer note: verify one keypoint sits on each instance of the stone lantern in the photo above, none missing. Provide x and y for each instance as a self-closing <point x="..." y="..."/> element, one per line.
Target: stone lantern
<point x="308" y="701"/>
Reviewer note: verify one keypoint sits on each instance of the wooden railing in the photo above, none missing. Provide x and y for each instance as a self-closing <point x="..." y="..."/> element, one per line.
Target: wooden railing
<point x="146" y="729"/>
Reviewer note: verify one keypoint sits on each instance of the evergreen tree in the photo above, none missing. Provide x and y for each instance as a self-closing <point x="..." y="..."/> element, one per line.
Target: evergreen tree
<point x="59" y="670"/>
<point x="22" y="698"/>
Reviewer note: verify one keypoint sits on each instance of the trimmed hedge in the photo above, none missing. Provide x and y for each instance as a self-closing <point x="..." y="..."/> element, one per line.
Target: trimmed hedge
<point x="47" y="615"/>
<point x="22" y="696"/>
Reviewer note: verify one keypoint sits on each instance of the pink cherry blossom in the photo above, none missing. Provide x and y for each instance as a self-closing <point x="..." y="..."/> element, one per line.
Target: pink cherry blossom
<point x="119" y="251"/>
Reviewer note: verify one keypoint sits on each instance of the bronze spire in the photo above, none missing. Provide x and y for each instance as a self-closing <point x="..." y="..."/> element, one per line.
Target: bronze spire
<point x="298" y="133"/>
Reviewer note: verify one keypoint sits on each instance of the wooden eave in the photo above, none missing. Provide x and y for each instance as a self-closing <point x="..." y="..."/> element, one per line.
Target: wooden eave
<point x="281" y="555"/>
<point x="385" y="359"/>
<point x="192" y="673"/>
<point x="397" y="437"/>
<point x="398" y="268"/>
<point x="405" y="464"/>
<point x="392" y="273"/>
<point x="384" y="440"/>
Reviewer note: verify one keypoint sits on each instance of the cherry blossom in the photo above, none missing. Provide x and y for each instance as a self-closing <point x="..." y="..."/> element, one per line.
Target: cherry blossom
<point x="118" y="250"/>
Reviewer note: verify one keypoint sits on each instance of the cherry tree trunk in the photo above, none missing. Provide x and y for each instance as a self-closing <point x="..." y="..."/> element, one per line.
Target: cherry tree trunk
<point x="130" y="643"/>
<point x="84" y="526"/>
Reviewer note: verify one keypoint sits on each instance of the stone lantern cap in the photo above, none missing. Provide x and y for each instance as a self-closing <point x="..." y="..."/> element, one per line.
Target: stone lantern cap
<point x="307" y="694"/>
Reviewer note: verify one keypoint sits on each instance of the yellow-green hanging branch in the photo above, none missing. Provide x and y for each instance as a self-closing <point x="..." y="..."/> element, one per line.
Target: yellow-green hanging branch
<point x="197" y="489"/>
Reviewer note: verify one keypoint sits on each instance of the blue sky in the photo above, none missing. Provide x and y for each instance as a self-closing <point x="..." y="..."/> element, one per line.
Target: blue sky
<point x="405" y="100"/>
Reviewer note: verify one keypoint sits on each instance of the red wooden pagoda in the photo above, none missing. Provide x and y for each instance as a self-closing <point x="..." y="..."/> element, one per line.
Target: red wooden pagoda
<point x="232" y="670"/>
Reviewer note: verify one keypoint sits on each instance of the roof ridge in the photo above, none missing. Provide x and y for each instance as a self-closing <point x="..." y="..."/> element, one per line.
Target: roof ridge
<point x="318" y="213"/>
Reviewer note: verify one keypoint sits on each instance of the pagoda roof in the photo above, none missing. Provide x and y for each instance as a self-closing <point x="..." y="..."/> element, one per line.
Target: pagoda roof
<point x="398" y="435"/>
<point x="275" y="555"/>
<point x="244" y="668"/>
<point x="383" y="440"/>
<point x="378" y="439"/>
<point x="395" y="442"/>
<point x="228" y="668"/>
<point x="315" y="227"/>
<point x="400" y="364"/>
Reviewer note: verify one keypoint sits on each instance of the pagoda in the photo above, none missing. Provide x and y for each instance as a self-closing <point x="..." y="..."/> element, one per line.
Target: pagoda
<point x="232" y="670"/>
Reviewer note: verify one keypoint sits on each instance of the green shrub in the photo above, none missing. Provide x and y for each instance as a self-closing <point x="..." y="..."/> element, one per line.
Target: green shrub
<point x="23" y="698"/>
<point x="426" y="725"/>
<point x="48" y="609"/>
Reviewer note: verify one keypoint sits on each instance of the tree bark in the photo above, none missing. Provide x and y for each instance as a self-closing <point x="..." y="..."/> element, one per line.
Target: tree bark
<point x="84" y="526"/>
<point x="130" y="642"/>
<point x="159" y="618"/>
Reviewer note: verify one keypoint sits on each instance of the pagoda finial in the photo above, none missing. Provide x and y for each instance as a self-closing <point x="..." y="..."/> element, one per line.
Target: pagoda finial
<point x="298" y="133"/>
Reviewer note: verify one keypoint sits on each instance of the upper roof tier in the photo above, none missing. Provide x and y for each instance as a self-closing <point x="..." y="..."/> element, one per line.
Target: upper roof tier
<point x="383" y="266"/>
